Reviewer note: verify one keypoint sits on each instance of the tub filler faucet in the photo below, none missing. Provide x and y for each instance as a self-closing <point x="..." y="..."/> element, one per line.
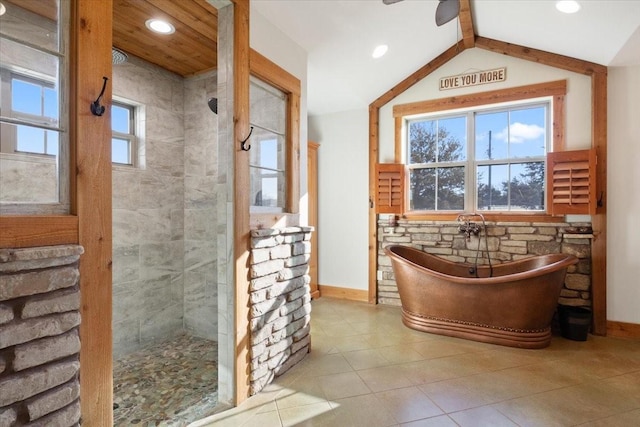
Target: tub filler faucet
<point x="469" y="227"/>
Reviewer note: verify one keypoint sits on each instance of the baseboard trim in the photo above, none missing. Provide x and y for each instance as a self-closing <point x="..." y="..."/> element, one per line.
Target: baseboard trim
<point x="623" y="330"/>
<point x="361" y="295"/>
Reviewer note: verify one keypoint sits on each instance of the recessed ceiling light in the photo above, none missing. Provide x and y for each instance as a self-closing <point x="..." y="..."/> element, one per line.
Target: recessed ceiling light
<point x="3" y="9"/>
<point x="568" y="6"/>
<point x="160" y="26"/>
<point x="379" y="51"/>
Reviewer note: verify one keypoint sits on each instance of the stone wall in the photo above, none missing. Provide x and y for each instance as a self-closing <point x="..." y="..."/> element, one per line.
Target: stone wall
<point x="508" y="241"/>
<point x="39" y="340"/>
<point x="280" y="302"/>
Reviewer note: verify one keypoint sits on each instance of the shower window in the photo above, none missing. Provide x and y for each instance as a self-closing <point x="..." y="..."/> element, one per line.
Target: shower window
<point x="124" y="141"/>
<point x="268" y="147"/>
<point x="34" y="153"/>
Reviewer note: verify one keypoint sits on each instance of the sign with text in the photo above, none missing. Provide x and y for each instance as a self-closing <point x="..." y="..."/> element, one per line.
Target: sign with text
<point x="473" y="79"/>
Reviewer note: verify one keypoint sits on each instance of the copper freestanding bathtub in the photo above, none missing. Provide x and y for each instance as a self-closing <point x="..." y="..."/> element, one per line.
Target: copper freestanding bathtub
<point x="514" y="307"/>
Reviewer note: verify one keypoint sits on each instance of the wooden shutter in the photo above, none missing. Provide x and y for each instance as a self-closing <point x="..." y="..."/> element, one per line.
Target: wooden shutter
<point x="389" y="188"/>
<point x="571" y="182"/>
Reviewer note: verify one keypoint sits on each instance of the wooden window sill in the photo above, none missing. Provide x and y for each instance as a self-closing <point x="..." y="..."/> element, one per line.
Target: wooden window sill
<point x="488" y="216"/>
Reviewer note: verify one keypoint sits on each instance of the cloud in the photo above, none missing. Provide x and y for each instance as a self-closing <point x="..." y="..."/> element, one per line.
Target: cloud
<point x="520" y="132"/>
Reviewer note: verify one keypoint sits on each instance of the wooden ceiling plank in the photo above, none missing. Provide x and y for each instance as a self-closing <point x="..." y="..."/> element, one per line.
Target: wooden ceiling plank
<point x="185" y="52"/>
<point x="130" y="36"/>
<point x="193" y="15"/>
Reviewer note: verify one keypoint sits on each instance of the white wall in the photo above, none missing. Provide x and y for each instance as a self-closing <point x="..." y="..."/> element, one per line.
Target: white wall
<point x="519" y="73"/>
<point x="279" y="48"/>
<point x="343" y="201"/>
<point x="623" y="185"/>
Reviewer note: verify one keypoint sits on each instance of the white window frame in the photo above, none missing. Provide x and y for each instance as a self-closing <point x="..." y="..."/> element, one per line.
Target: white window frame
<point x="471" y="164"/>
<point x="134" y="136"/>
<point x="283" y="147"/>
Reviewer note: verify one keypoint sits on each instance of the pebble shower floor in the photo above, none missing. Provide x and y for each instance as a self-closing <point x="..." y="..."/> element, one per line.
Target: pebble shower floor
<point x="171" y="383"/>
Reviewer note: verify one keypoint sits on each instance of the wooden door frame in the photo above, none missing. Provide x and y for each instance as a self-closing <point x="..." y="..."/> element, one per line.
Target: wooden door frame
<point x="312" y="197"/>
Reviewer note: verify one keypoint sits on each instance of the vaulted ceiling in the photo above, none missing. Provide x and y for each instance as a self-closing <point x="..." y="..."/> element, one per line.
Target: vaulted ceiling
<point x="339" y="36"/>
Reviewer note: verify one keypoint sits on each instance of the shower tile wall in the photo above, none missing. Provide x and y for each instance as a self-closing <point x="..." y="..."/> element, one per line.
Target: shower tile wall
<point x="200" y="237"/>
<point x="159" y="232"/>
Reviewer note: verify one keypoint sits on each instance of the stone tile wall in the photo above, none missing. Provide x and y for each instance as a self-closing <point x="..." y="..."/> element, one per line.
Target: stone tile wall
<point x="165" y="212"/>
<point x="280" y="302"/>
<point x="39" y="341"/>
<point x="508" y="241"/>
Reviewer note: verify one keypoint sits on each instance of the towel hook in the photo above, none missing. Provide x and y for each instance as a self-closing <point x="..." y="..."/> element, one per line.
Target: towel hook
<point x="96" y="108"/>
<point x="244" y="147"/>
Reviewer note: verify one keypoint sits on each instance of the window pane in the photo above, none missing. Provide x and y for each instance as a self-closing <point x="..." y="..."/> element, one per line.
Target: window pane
<point x="422" y="141"/>
<point x="492" y="133"/>
<point x="26" y="97"/>
<point x="51" y="103"/>
<point x="30" y="140"/>
<point x="526" y="188"/>
<point x="493" y="184"/>
<point x="120" y="119"/>
<point x="423" y="189"/>
<point x="39" y="29"/>
<point x="450" y="189"/>
<point x="52" y="142"/>
<point x="527" y="135"/>
<point x="452" y="139"/>
<point x="268" y="106"/>
<point x="120" y="151"/>
<point x="267" y="150"/>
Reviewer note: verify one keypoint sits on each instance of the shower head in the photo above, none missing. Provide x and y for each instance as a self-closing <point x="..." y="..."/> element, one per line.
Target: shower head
<point x="213" y="105"/>
<point x="118" y="56"/>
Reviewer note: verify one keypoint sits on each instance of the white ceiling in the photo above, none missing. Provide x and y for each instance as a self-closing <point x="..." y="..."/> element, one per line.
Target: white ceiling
<point x="339" y="36"/>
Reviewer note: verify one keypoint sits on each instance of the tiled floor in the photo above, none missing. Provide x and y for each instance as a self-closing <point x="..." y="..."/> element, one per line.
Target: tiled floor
<point x="169" y="383"/>
<point x="367" y="369"/>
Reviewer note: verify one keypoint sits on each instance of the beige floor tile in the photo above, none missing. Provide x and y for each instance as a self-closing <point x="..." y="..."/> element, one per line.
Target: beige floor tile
<point x="408" y="404"/>
<point x="429" y="371"/>
<point x="264" y="419"/>
<point x="568" y="406"/>
<point x="484" y="416"/>
<point x="303" y="391"/>
<point x="440" y="421"/>
<point x="317" y="414"/>
<point x="625" y="419"/>
<point x="362" y="411"/>
<point x="338" y="386"/>
<point x="365" y="359"/>
<point x="397" y="354"/>
<point x="385" y="378"/>
<point x="326" y="364"/>
<point x="441" y="348"/>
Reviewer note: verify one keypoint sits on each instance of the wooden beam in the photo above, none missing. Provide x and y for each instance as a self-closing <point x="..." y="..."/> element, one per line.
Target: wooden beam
<point x="242" y="239"/>
<point x="374" y="116"/>
<point x="466" y="24"/>
<point x="93" y="23"/>
<point x="38" y="230"/>
<point x="599" y="221"/>
<point x="418" y="75"/>
<point x="540" y="56"/>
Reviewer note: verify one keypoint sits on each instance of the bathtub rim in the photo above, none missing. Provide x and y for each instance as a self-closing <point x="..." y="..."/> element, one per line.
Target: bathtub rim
<point x="563" y="261"/>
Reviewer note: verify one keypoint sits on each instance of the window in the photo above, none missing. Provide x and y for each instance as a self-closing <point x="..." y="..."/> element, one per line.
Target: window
<point x="34" y="153"/>
<point x="268" y="147"/>
<point x="486" y="159"/>
<point x="124" y="142"/>
<point x="32" y="105"/>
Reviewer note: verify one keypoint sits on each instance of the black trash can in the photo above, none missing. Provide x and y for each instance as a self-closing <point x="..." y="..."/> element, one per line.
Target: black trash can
<point x="574" y="322"/>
